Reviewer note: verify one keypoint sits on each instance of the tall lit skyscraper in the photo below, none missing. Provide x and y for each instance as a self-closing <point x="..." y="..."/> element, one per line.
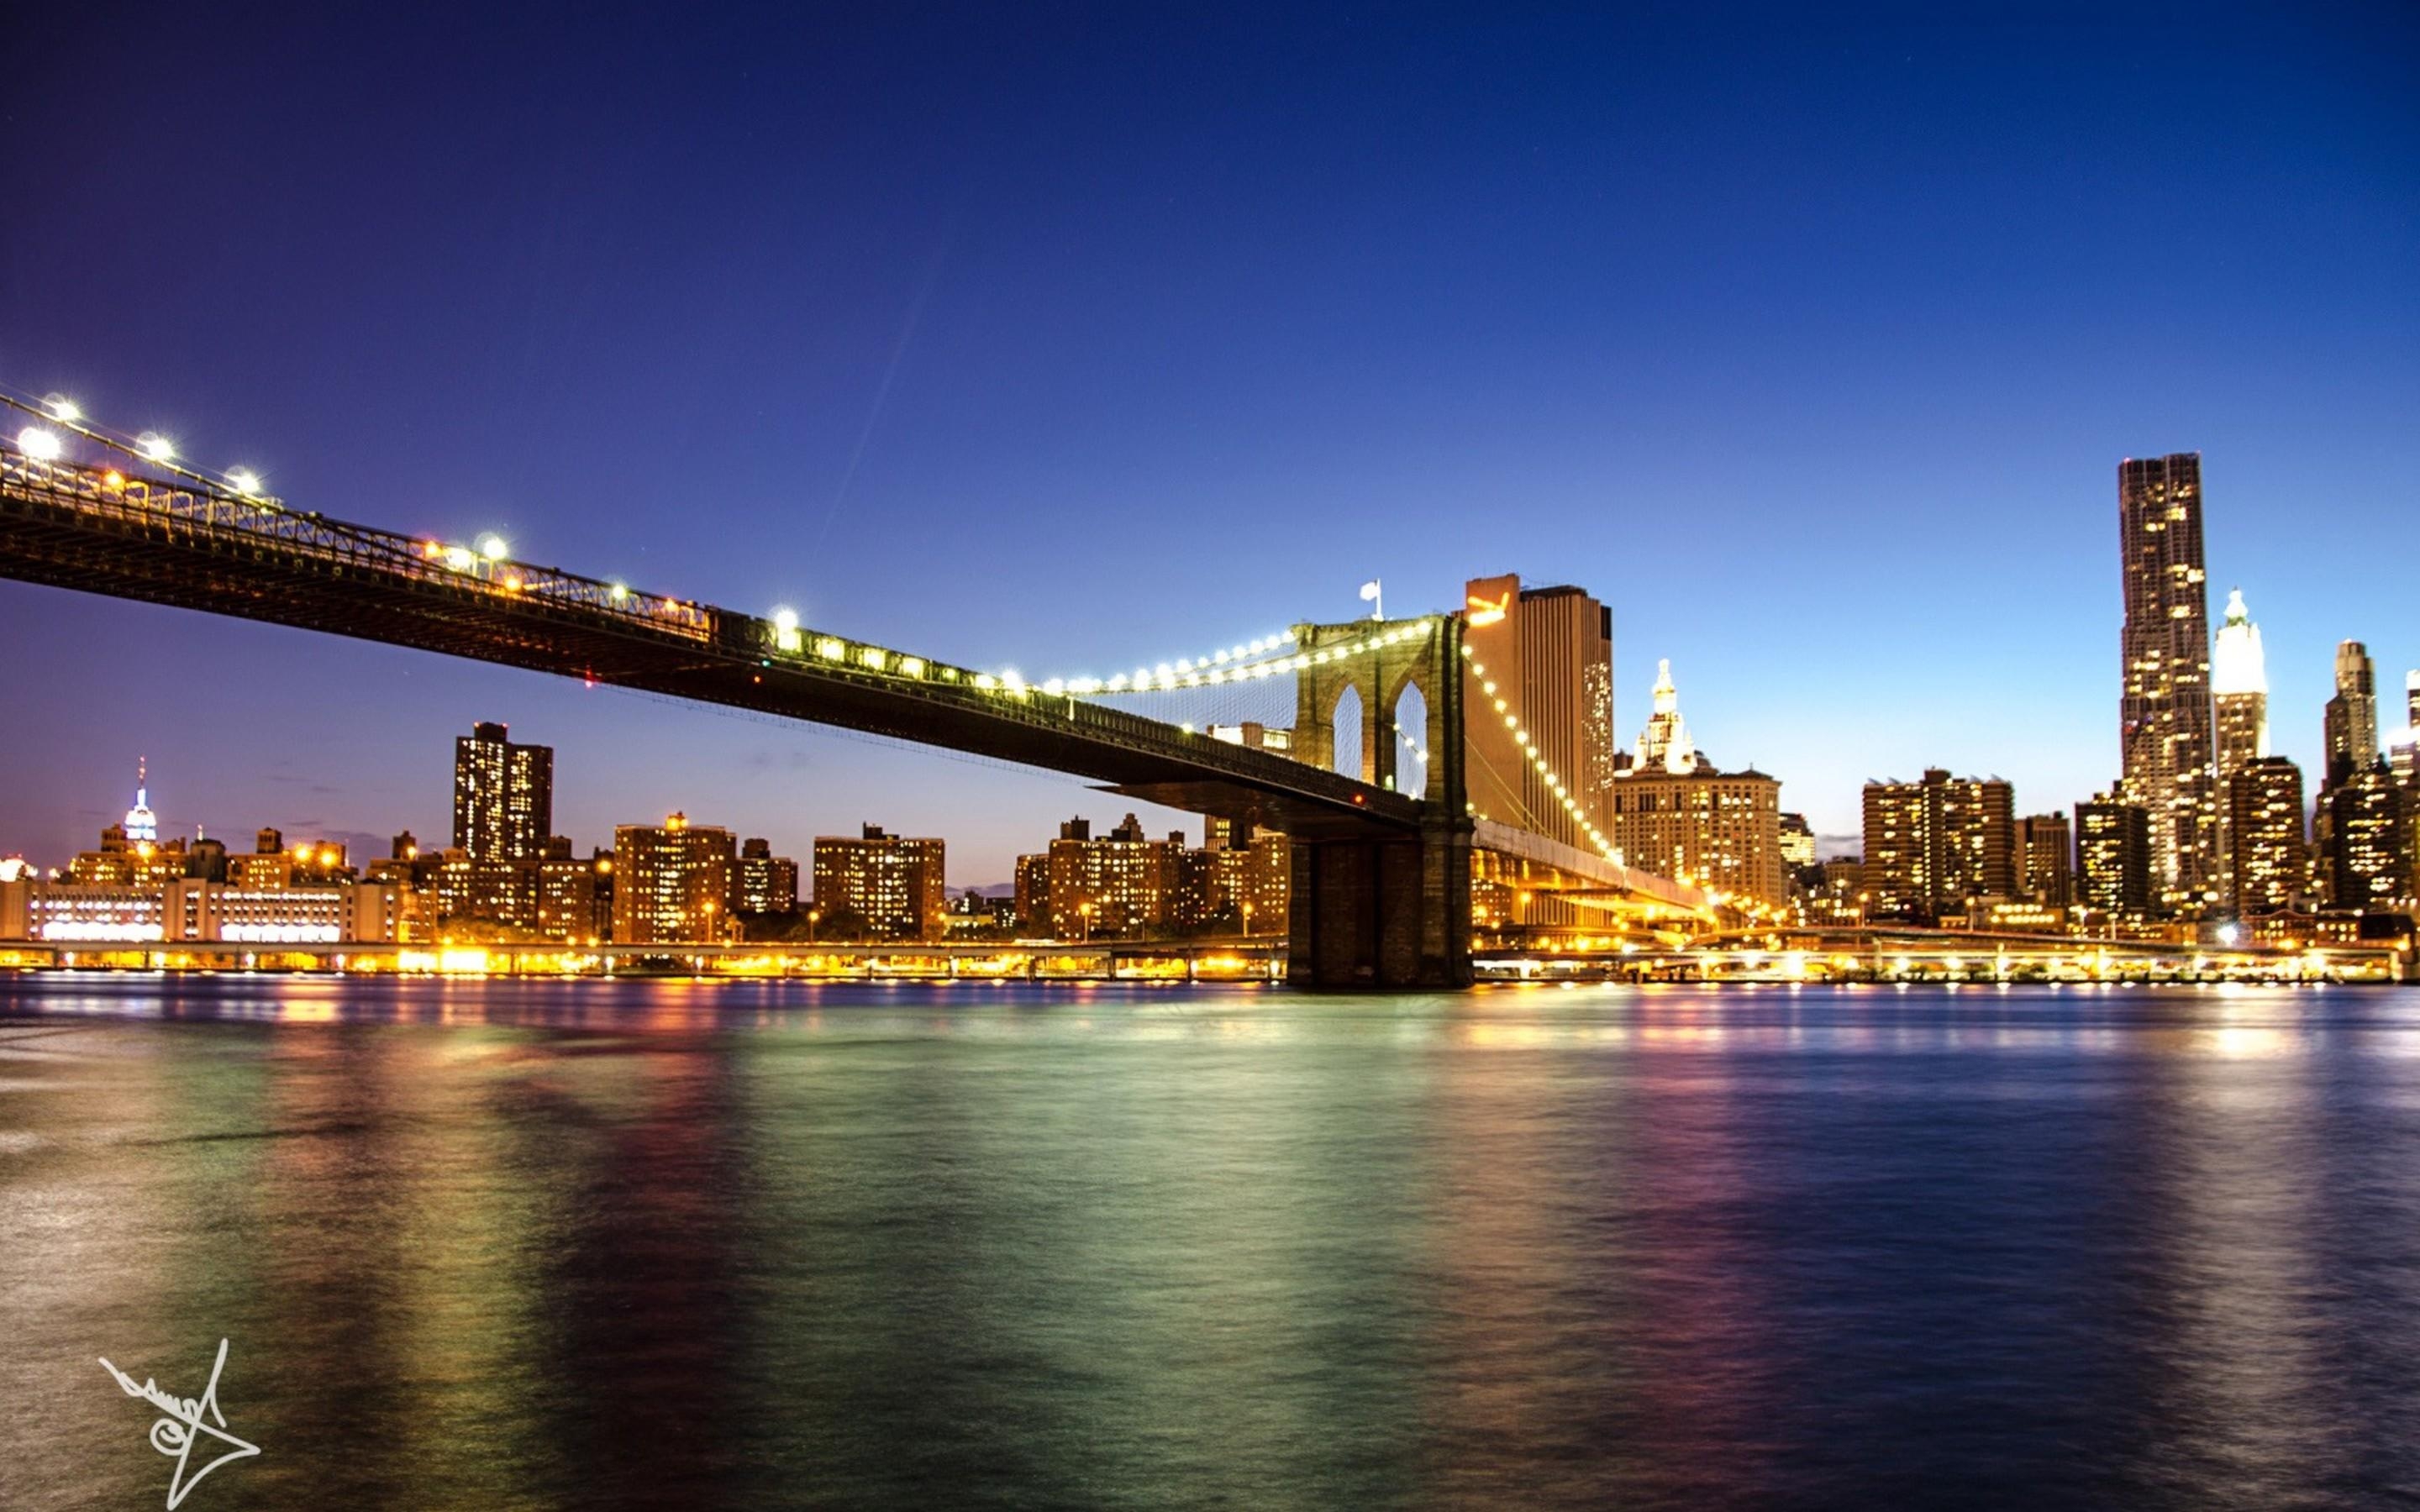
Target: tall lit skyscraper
<point x="2351" y="732"/>
<point x="2113" y="856"/>
<point x="2403" y="750"/>
<point x="1933" y="847"/>
<point x="2270" y="866"/>
<point x="2165" y="715"/>
<point x="1682" y="817"/>
<point x="142" y="825"/>
<point x="1550" y="652"/>
<point x="2239" y="687"/>
<point x="503" y="796"/>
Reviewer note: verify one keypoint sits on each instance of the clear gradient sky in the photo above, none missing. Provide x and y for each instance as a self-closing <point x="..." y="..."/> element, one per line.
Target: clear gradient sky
<point x="1060" y="337"/>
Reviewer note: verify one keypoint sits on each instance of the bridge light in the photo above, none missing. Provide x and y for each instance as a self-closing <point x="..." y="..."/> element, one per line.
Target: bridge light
<point x="493" y="547"/>
<point x="911" y="666"/>
<point x="459" y="558"/>
<point x="62" y="408"/>
<point x="244" y="481"/>
<point x="155" y="446"/>
<point x="40" y="445"/>
<point x="618" y="592"/>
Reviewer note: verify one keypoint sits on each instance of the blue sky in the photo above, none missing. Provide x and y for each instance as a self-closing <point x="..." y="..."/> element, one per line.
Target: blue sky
<point x="1067" y="336"/>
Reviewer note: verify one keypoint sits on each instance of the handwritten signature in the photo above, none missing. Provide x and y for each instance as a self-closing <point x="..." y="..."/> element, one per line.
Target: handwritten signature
<point x="176" y="1434"/>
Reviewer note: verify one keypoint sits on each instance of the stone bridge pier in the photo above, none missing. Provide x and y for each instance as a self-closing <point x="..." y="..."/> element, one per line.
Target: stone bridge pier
<point x="1378" y="909"/>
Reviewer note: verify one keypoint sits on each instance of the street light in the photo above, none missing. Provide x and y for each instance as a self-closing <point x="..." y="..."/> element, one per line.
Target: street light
<point x="813" y="914"/>
<point x="1084" y="926"/>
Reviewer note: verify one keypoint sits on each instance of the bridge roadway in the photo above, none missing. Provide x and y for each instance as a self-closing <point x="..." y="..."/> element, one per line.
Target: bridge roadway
<point x="193" y="547"/>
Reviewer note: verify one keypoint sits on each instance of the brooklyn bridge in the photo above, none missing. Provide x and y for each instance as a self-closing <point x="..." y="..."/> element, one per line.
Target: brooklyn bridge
<point x="1483" y="772"/>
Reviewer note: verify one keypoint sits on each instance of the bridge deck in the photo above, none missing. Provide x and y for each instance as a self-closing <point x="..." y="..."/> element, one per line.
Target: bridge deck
<point x="1586" y="878"/>
<point x="188" y="545"/>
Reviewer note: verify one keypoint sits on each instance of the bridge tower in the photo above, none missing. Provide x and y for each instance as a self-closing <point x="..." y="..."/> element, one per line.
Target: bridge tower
<point x="1388" y="911"/>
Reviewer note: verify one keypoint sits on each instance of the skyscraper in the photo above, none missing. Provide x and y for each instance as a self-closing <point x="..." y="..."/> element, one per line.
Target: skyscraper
<point x="2239" y="687"/>
<point x="2403" y="750"/>
<point x="2269" y="862"/>
<point x="2165" y="715"/>
<point x="2351" y="729"/>
<point x="1933" y="846"/>
<point x="142" y="825"/>
<point x="2367" y="862"/>
<point x="503" y="796"/>
<point x="2046" y="873"/>
<point x="2113" y="856"/>
<point x="1679" y="816"/>
<point x="1549" y="654"/>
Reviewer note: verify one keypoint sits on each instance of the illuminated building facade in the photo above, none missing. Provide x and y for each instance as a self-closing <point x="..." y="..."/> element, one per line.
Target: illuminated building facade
<point x="2239" y="685"/>
<point x="503" y="796"/>
<point x="1712" y="829"/>
<point x="768" y="884"/>
<point x="2350" y="730"/>
<point x="2112" y="857"/>
<point x="1033" y="894"/>
<point x="31" y="909"/>
<point x="191" y="908"/>
<point x="2267" y="861"/>
<point x="2403" y="752"/>
<point x="2367" y="862"/>
<point x="142" y="825"/>
<point x="266" y="865"/>
<point x="1797" y="842"/>
<point x="1678" y="815"/>
<point x="1123" y="883"/>
<point x="2165" y="716"/>
<point x="672" y="883"/>
<point x="575" y="899"/>
<point x="2045" y="859"/>
<point x="1548" y="653"/>
<point x="1231" y="885"/>
<point x="893" y="883"/>
<point x="366" y="911"/>
<point x="1665" y="744"/>
<point x="1935" y="846"/>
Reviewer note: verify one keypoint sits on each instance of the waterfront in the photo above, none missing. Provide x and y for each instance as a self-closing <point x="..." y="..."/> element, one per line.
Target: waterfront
<point x="526" y="1243"/>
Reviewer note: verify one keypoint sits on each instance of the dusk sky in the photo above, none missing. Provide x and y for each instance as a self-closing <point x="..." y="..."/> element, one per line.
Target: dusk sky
<point x="1063" y="338"/>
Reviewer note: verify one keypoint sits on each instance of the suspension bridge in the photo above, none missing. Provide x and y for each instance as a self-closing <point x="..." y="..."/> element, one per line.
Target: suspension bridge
<point x="1385" y="854"/>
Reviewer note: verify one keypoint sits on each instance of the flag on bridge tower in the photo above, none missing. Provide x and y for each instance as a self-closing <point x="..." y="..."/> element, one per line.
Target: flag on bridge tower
<point x="1370" y="595"/>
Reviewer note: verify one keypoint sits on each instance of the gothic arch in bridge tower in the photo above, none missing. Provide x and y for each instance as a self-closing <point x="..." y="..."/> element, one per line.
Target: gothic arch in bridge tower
<point x="1378" y="680"/>
<point x="1346" y="720"/>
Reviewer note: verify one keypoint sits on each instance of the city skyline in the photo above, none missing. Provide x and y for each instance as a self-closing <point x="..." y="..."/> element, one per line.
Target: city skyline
<point x="1055" y="379"/>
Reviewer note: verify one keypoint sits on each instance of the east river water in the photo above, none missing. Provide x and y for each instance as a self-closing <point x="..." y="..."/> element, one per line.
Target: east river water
<point x="578" y="1245"/>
